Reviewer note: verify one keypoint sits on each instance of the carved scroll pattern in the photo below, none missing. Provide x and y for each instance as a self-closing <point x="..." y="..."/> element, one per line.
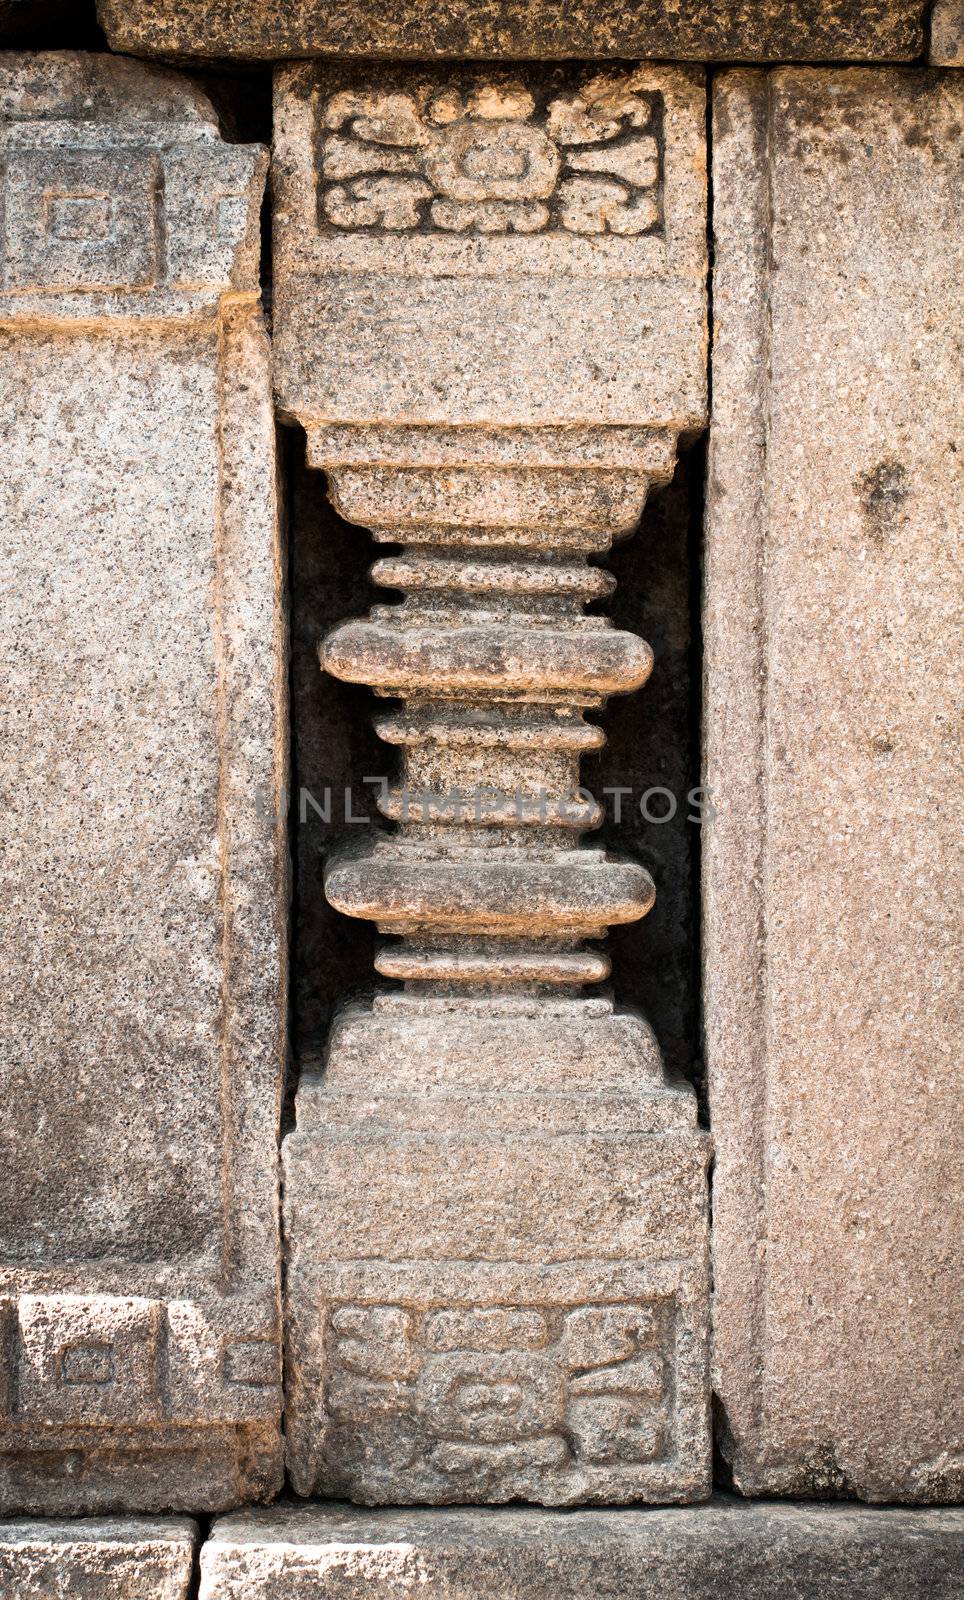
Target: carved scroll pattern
<point x="492" y="159"/>
<point x="469" y="1392"/>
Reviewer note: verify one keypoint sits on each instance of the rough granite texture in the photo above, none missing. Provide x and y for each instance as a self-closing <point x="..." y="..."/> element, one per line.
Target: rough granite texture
<point x="497" y="1276"/>
<point x="947" y="34"/>
<point x="728" y="1548"/>
<point x="734" y="30"/>
<point x="490" y="248"/>
<point x="496" y="1218"/>
<point x="831" y="950"/>
<point x="143" y="897"/>
<point x="123" y="1558"/>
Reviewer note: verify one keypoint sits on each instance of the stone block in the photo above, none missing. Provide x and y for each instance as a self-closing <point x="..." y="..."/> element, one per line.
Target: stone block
<point x="448" y="294"/>
<point x="142" y="913"/>
<point x="496" y="1279"/>
<point x="734" y="30"/>
<point x="831" y="872"/>
<point x="758" y="1551"/>
<point x="122" y="1558"/>
<point x="947" y="34"/>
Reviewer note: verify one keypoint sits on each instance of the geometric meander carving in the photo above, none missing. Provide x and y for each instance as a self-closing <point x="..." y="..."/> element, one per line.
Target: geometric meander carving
<point x="106" y="1359"/>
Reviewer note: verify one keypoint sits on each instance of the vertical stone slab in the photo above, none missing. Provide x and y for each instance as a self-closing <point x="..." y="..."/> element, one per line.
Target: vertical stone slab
<point x="947" y="34"/>
<point x="491" y="323"/>
<point x="832" y="963"/>
<point x="143" y="898"/>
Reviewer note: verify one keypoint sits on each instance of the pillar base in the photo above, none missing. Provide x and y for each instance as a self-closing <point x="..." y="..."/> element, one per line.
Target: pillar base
<point x="497" y="1285"/>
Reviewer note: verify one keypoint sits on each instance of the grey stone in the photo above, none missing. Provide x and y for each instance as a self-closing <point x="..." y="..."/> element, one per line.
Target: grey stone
<point x="127" y="1558"/>
<point x="831" y="945"/>
<point x="735" y="30"/>
<point x="947" y="34"/>
<point x="405" y="311"/>
<point x="756" y="1551"/>
<point x="649" y="747"/>
<point x="142" y="914"/>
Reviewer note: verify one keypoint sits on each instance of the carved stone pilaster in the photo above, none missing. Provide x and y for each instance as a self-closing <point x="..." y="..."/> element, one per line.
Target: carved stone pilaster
<point x="143" y="889"/>
<point x="491" y="325"/>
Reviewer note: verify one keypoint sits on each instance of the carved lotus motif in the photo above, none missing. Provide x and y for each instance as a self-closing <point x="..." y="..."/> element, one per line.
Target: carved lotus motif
<point x="489" y="159"/>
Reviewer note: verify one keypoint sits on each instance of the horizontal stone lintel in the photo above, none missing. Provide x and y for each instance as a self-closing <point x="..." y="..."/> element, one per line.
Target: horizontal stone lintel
<point x="733" y="30"/>
<point x="758" y="1550"/>
<point x="103" y="1558"/>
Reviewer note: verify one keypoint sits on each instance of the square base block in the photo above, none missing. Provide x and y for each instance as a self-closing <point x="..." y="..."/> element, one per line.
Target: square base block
<point x="497" y="1282"/>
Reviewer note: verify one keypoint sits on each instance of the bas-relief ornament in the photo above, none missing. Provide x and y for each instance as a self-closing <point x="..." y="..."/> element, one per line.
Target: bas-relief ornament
<point x="139" y="1316"/>
<point x="493" y="362"/>
<point x="493" y="159"/>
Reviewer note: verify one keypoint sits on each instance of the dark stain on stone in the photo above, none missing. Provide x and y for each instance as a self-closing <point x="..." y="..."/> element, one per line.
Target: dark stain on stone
<point x="883" y="491"/>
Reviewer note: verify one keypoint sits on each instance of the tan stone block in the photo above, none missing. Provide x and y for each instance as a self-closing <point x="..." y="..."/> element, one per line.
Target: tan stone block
<point x="734" y="30"/>
<point x="118" y="1558"/>
<point x="760" y="1551"/>
<point x="831" y="944"/>
<point x="141" y="918"/>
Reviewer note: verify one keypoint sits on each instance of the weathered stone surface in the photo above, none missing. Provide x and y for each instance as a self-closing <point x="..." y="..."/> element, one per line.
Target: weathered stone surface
<point x="497" y="1231"/>
<point x="757" y="1551"/>
<point x="142" y="913"/>
<point x="518" y="317"/>
<point x="736" y="30"/>
<point x="947" y="34"/>
<point x="420" y="216"/>
<point x="127" y="1558"/>
<point x="831" y="952"/>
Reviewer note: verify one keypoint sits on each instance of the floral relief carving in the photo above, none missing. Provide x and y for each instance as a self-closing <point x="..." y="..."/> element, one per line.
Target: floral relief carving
<point x="492" y="159"/>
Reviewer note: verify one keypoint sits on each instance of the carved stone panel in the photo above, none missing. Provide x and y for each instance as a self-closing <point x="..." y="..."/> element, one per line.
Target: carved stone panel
<point x="490" y="321"/>
<point x="143" y="891"/>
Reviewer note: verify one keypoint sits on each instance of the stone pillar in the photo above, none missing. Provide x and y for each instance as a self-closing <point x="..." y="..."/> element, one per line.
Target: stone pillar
<point x="142" y="755"/>
<point x="491" y="323"/>
<point x="832" y="988"/>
